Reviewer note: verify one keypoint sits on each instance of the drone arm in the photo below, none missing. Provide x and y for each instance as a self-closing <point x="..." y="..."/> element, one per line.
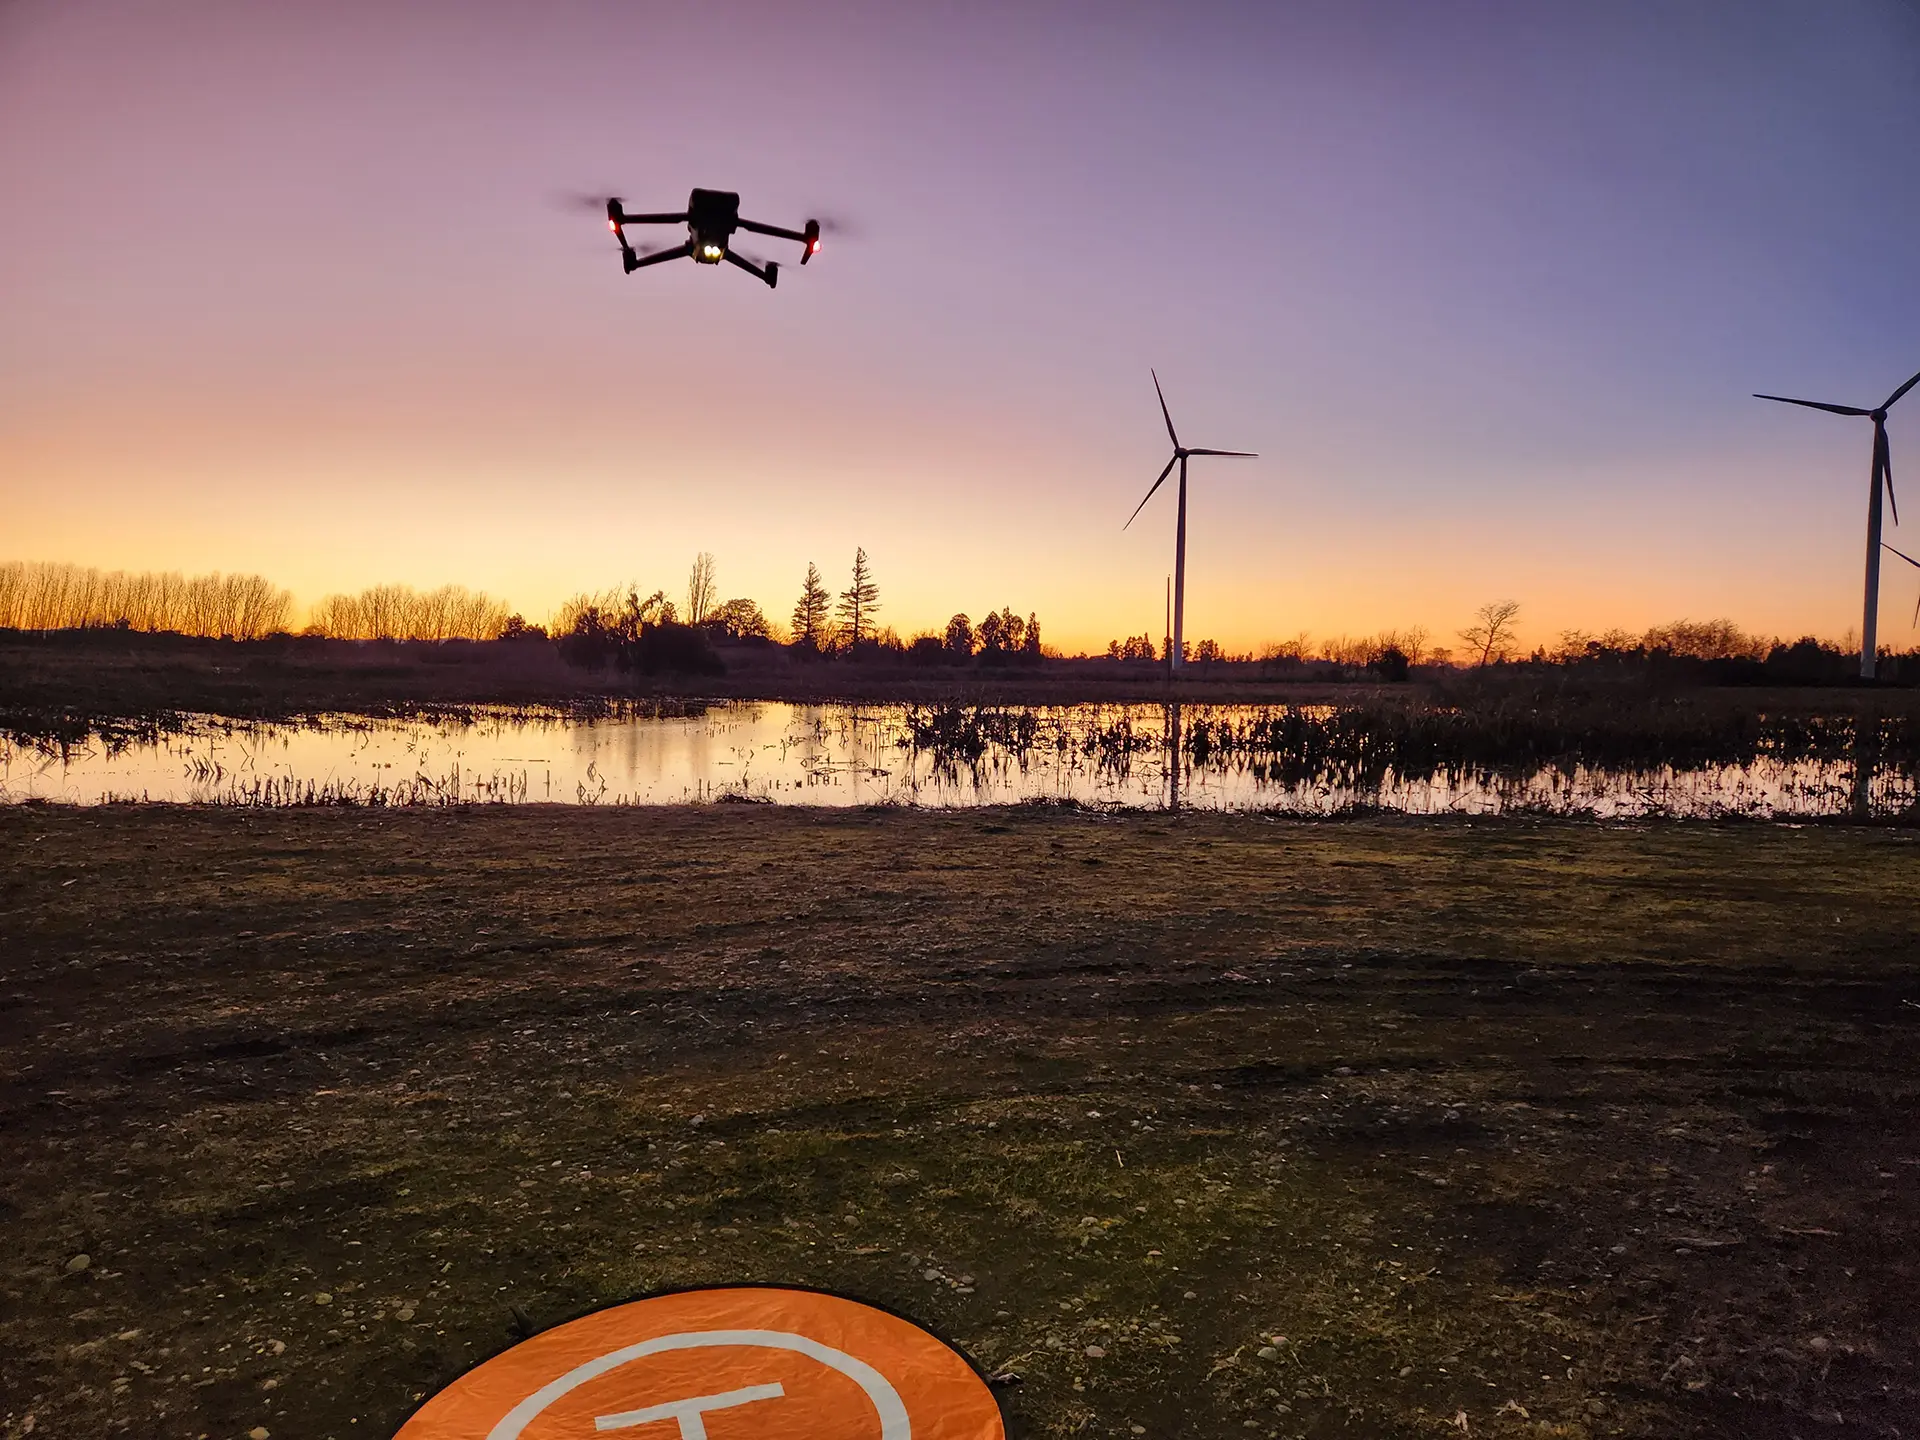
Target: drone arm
<point x="770" y="273"/>
<point x="636" y="262"/>
<point x="757" y="228"/>
<point x="626" y="219"/>
<point x="809" y="237"/>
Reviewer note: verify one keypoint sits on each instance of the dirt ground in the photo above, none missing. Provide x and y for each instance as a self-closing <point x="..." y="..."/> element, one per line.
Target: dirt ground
<point x="1181" y="1126"/>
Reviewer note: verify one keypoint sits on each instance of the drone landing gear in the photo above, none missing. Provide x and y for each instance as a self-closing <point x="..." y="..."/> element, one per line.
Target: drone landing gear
<point x="771" y="274"/>
<point x="635" y="262"/>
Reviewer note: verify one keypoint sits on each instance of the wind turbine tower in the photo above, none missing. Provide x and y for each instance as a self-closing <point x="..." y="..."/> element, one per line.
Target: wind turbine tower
<point x="1177" y="652"/>
<point x="1882" y="473"/>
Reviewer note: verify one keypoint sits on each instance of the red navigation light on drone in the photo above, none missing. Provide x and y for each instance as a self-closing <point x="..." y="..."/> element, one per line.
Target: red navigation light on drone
<point x="711" y="217"/>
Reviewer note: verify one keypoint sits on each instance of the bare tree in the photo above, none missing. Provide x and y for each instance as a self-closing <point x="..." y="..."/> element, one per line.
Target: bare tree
<point x="57" y="596"/>
<point x="399" y="612"/>
<point x="1491" y="635"/>
<point x="1410" y="642"/>
<point x="702" y="587"/>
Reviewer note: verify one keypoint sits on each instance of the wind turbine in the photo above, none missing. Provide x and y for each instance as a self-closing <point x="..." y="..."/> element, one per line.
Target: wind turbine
<point x="1177" y="655"/>
<point x="1916" y="565"/>
<point x="1882" y="470"/>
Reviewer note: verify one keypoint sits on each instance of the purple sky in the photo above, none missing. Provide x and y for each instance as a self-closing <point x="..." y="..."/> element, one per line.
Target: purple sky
<point x="287" y="288"/>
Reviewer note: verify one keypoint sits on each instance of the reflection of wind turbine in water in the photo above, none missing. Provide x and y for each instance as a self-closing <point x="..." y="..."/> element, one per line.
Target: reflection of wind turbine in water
<point x="1175" y="753"/>
<point x="1882" y="472"/>
<point x="1916" y="565"/>
<point x="1176" y="652"/>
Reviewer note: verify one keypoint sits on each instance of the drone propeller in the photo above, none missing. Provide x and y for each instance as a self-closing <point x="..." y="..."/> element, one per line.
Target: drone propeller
<point x="834" y="225"/>
<point x="584" y="200"/>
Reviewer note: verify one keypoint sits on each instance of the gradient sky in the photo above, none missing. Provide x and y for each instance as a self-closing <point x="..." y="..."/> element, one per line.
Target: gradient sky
<point x="289" y="288"/>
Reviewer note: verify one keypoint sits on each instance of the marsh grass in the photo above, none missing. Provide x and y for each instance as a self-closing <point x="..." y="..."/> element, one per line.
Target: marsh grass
<point x="1366" y="748"/>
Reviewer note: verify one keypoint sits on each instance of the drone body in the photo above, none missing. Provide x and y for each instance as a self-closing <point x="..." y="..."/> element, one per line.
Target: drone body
<point x="711" y="217"/>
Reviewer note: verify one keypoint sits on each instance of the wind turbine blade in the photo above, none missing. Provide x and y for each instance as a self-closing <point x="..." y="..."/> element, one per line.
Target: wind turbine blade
<point x="1883" y="454"/>
<point x="1163" y="411"/>
<point x="1816" y="405"/>
<point x="1240" y="454"/>
<point x="1915" y="565"/>
<point x="1149" y="495"/>
<point x="1901" y="391"/>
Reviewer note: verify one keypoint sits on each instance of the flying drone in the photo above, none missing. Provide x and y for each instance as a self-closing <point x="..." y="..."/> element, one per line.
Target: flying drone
<point x="711" y="217"/>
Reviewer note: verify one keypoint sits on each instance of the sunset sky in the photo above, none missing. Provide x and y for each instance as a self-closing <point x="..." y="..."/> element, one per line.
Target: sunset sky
<point x="291" y="288"/>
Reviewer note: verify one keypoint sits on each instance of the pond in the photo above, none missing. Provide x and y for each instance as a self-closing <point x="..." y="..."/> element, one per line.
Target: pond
<point x="1114" y="756"/>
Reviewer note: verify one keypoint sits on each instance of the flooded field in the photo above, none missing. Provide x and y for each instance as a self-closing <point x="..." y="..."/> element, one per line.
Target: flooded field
<point x="1292" y="760"/>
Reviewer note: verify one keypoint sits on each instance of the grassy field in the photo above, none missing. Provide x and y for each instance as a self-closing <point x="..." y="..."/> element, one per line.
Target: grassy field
<point x="1182" y="1126"/>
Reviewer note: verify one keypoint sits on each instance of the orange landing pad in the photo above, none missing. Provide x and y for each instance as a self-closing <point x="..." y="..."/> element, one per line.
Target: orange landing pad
<point x="747" y="1363"/>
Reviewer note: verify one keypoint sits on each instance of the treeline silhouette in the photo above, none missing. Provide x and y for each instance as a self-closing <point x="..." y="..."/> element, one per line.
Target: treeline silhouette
<point x="399" y="612"/>
<point x="1710" y="651"/>
<point x="651" y="633"/>
<point x="620" y="627"/>
<point x="1393" y="652"/>
<point x="49" y="595"/>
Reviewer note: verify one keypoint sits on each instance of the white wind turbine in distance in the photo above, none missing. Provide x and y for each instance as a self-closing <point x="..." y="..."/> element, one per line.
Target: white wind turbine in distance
<point x="1882" y="472"/>
<point x="1176" y="652"/>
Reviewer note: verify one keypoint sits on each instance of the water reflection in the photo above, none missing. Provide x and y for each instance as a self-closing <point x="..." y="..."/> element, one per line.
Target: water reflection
<point x="1866" y="754"/>
<point x="1176" y="753"/>
<point x="1141" y="756"/>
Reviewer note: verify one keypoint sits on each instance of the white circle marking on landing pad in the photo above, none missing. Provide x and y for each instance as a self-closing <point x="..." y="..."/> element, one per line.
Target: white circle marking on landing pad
<point x="894" y="1424"/>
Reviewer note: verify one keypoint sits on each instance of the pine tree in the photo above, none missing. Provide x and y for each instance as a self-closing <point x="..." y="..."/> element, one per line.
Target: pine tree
<point x="858" y="602"/>
<point x="810" y="611"/>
